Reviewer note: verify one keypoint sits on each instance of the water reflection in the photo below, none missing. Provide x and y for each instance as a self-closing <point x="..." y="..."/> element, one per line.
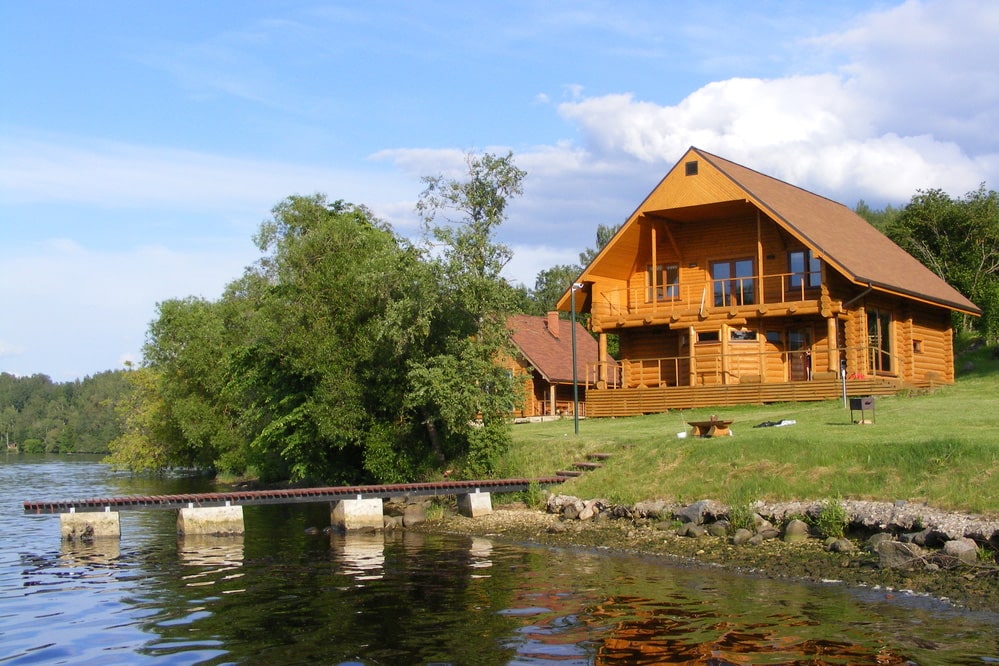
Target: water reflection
<point x="95" y="552"/>
<point x="480" y="552"/>
<point x="361" y="555"/>
<point x="280" y="595"/>
<point x="219" y="552"/>
<point x="695" y="635"/>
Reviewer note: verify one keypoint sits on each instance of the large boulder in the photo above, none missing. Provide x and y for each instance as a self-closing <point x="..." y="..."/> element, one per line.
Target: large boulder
<point x="700" y="512"/>
<point x="964" y="550"/>
<point x="414" y="514"/>
<point x="796" y="530"/>
<point x="899" y="555"/>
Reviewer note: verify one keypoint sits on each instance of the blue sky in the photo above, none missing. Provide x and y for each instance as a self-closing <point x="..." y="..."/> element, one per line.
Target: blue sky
<point x="143" y="143"/>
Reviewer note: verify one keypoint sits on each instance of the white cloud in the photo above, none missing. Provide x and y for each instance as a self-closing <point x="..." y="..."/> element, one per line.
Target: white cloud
<point x="112" y="174"/>
<point x="529" y="260"/>
<point x="910" y="105"/>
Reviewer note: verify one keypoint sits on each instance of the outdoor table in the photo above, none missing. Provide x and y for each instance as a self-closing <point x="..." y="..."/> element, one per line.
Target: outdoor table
<point x="712" y="428"/>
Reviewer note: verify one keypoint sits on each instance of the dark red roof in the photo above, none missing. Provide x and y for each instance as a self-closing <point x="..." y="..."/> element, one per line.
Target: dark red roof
<point x="846" y="240"/>
<point x="551" y="355"/>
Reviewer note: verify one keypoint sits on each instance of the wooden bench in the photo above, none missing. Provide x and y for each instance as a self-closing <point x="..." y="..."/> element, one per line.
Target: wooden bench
<point x="712" y="428"/>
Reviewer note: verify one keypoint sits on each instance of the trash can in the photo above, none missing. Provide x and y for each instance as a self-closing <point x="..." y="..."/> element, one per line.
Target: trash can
<point x="863" y="405"/>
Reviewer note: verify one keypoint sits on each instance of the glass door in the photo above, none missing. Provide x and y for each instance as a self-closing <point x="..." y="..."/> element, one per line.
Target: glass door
<point x="799" y="354"/>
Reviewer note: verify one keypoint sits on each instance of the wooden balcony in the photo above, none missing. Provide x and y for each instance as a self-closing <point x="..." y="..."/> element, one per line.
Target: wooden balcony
<point x="691" y="302"/>
<point x="636" y="401"/>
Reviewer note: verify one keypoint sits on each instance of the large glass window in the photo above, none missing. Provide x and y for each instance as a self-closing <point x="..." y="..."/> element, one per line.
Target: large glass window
<point x="663" y="283"/>
<point x="733" y="282"/>
<point x="805" y="269"/>
<point x="879" y="339"/>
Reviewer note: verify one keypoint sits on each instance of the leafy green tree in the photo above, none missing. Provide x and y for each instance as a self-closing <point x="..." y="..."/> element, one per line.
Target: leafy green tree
<point x="958" y="239"/>
<point x="345" y="353"/>
<point x="459" y="387"/>
<point x="549" y="286"/>
<point x="148" y="428"/>
<point x="188" y="348"/>
<point x="346" y="303"/>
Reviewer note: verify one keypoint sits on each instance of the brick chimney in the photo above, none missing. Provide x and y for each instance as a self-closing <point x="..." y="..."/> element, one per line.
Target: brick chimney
<point x="553" y="326"/>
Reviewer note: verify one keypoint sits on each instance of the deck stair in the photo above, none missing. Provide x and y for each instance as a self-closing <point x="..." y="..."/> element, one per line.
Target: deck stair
<point x="594" y="461"/>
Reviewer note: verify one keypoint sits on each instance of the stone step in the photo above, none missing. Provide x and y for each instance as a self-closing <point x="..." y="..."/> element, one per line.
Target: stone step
<point x="569" y="473"/>
<point x="587" y="465"/>
<point x="598" y="456"/>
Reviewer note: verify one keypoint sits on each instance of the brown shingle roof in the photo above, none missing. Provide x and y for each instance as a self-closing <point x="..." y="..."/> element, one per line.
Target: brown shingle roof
<point x="844" y="239"/>
<point x="550" y="355"/>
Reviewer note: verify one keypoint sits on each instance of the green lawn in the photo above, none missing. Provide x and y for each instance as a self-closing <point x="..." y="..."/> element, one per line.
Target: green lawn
<point x="941" y="448"/>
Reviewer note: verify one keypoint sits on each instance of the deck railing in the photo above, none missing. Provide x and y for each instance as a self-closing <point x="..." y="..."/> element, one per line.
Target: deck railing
<point x="684" y="297"/>
<point x="742" y="365"/>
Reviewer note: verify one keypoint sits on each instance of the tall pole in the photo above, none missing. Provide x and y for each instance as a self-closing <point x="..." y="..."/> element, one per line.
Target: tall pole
<point x="575" y="380"/>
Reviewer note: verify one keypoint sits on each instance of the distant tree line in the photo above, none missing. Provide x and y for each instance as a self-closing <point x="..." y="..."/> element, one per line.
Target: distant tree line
<point x="41" y="416"/>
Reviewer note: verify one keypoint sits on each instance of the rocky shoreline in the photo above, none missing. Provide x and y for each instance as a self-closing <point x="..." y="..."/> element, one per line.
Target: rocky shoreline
<point x="893" y="547"/>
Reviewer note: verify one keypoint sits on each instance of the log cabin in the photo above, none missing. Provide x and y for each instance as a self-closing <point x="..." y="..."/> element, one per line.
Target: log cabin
<point x="544" y="360"/>
<point x="728" y="286"/>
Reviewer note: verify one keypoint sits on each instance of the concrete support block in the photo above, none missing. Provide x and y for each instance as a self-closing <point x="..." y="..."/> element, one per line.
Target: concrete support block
<point x="89" y="525"/>
<point x="357" y="514"/>
<point x="473" y="505"/>
<point x="211" y="520"/>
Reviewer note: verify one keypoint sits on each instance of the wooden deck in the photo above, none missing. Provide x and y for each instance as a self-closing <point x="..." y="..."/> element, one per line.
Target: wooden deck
<point x="635" y="401"/>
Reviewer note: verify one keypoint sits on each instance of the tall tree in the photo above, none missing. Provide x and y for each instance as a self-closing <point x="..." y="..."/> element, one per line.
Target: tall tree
<point x="459" y="383"/>
<point x="958" y="239"/>
<point x="550" y="284"/>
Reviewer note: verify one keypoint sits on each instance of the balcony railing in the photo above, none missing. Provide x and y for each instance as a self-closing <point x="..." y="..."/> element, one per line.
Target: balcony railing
<point x="680" y="298"/>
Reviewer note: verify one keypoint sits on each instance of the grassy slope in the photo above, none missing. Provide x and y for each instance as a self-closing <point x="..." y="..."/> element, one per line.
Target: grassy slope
<point x="940" y="448"/>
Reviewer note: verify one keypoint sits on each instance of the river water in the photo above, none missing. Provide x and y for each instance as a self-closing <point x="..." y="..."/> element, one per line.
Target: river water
<point x="280" y="595"/>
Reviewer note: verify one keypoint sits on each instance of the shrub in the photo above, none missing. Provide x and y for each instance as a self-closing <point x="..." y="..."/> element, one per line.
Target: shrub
<point x="742" y="517"/>
<point x="831" y="520"/>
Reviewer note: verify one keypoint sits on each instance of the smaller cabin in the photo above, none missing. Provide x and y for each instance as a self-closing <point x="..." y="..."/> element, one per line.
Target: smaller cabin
<point x="544" y="359"/>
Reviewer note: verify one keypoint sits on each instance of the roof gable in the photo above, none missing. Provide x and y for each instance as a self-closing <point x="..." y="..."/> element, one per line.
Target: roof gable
<point x="846" y="241"/>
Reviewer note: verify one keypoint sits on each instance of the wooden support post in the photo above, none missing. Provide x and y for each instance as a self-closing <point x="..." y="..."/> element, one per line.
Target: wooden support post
<point x="692" y="346"/>
<point x="655" y="269"/>
<point x="833" y="365"/>
<point x="725" y="364"/>
<point x="761" y="291"/>
<point x="601" y="366"/>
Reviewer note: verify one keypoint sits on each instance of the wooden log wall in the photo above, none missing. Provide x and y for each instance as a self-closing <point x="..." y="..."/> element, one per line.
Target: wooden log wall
<point x="931" y="345"/>
<point x="697" y="245"/>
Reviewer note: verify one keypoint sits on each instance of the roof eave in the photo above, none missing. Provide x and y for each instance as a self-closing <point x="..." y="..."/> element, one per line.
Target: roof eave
<point x="916" y="296"/>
